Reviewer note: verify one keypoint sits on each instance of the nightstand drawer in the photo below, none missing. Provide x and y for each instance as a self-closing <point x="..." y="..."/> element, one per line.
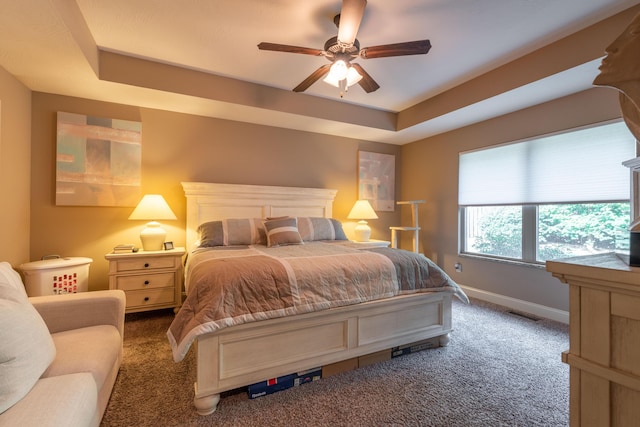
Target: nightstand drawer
<point x="151" y="297"/>
<point x="145" y="281"/>
<point x="151" y="279"/>
<point x="145" y="263"/>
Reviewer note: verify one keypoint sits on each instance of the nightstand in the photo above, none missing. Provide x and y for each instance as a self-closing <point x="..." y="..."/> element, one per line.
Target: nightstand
<point x="372" y="243"/>
<point x="150" y="280"/>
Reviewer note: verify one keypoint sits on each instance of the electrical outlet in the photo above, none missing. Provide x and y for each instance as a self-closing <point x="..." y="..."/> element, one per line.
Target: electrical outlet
<point x="458" y="267"/>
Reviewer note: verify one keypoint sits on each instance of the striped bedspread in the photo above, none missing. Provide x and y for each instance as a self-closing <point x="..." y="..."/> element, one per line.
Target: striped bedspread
<point x="228" y="286"/>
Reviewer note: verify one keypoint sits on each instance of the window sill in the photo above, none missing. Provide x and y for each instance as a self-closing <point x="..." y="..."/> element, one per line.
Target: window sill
<point x="515" y="262"/>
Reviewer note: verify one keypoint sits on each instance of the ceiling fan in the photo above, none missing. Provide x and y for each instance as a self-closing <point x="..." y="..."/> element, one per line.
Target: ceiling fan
<point x="344" y="48"/>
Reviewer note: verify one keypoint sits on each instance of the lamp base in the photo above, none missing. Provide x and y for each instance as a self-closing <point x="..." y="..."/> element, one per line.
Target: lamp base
<point x="152" y="237"/>
<point x="362" y="231"/>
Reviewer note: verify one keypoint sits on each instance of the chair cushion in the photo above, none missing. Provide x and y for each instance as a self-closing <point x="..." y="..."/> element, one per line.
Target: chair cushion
<point x="94" y="349"/>
<point x="64" y="401"/>
<point x="26" y="347"/>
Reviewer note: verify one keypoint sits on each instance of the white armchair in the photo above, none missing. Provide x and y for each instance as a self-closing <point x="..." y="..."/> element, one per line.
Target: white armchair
<point x="59" y="354"/>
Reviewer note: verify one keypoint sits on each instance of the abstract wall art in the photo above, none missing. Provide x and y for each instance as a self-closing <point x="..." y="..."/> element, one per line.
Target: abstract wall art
<point x="98" y="161"/>
<point x="376" y="179"/>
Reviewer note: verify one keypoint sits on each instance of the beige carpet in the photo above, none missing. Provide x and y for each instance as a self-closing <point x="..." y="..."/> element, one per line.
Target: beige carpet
<point x="500" y="369"/>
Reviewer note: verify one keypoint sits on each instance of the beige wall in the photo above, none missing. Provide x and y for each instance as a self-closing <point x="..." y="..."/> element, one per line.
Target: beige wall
<point x="181" y="147"/>
<point x="15" y="166"/>
<point x="430" y="171"/>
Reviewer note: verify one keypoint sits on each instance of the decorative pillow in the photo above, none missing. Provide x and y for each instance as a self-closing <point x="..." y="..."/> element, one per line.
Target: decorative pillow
<point x="10" y="278"/>
<point x="230" y="232"/>
<point x="26" y="347"/>
<point x="312" y="228"/>
<point x="283" y="231"/>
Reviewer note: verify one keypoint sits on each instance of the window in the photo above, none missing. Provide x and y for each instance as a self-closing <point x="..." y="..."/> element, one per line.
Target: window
<point x="554" y="196"/>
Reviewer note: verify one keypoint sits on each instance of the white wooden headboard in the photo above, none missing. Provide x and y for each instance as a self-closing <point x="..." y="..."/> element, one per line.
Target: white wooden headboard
<point x="211" y="202"/>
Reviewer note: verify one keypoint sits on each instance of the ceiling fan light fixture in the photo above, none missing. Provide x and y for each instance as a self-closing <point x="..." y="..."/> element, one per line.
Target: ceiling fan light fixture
<point x="353" y="76"/>
<point x="342" y="72"/>
<point x="331" y="81"/>
<point x="339" y="71"/>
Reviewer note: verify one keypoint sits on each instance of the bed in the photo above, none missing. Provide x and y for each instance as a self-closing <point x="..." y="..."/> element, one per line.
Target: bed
<point x="248" y="346"/>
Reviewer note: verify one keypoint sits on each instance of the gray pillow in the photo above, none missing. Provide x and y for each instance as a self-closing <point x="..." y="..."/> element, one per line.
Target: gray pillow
<point x="231" y="232"/>
<point x="315" y="228"/>
<point x="282" y="231"/>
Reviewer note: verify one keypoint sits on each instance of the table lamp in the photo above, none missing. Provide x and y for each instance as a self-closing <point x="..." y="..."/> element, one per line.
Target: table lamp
<point x="362" y="211"/>
<point x="152" y="207"/>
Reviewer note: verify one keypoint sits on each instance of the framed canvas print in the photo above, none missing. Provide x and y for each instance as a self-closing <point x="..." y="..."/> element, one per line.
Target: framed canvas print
<point x="376" y="179"/>
<point x="98" y="161"/>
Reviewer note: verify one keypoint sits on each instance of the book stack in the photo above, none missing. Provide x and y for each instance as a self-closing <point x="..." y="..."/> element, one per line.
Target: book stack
<point x="124" y="249"/>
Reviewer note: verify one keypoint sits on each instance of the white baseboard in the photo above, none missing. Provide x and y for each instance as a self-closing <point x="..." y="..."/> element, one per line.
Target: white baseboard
<point x="518" y="304"/>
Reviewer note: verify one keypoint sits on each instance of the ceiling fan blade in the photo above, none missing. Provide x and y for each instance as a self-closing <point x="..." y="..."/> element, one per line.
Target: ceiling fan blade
<point x="350" y="18"/>
<point x="291" y="49"/>
<point x="367" y="83"/>
<point x="314" y="77"/>
<point x="417" y="47"/>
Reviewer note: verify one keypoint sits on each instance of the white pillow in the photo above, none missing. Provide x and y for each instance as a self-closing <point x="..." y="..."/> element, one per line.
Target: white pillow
<point x="11" y="278"/>
<point x="26" y="346"/>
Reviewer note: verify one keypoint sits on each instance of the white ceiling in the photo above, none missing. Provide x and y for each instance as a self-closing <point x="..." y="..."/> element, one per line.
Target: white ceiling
<point x="469" y="37"/>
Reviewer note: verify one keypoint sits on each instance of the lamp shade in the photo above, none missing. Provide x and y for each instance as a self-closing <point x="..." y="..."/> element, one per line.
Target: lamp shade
<point x="353" y="76"/>
<point x="152" y="207"/>
<point x="362" y="210"/>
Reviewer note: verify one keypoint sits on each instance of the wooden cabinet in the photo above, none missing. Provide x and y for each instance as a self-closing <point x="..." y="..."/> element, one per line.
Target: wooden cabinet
<point x="604" y="339"/>
<point x="151" y="280"/>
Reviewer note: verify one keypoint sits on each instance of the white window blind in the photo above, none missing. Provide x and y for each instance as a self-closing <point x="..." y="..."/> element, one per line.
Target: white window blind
<point x="582" y="165"/>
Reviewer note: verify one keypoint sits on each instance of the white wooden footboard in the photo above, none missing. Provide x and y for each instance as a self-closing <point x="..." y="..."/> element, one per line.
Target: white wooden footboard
<point x="249" y="353"/>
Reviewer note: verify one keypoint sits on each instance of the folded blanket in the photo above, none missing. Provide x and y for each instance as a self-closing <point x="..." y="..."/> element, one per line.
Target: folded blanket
<point x="234" y="285"/>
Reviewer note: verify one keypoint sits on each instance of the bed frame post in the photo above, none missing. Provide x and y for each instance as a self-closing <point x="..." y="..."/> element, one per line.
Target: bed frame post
<point x="205" y="405"/>
<point x="444" y="340"/>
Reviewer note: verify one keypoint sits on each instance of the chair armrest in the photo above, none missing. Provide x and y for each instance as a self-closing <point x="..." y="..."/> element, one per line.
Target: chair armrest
<point x="73" y="311"/>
